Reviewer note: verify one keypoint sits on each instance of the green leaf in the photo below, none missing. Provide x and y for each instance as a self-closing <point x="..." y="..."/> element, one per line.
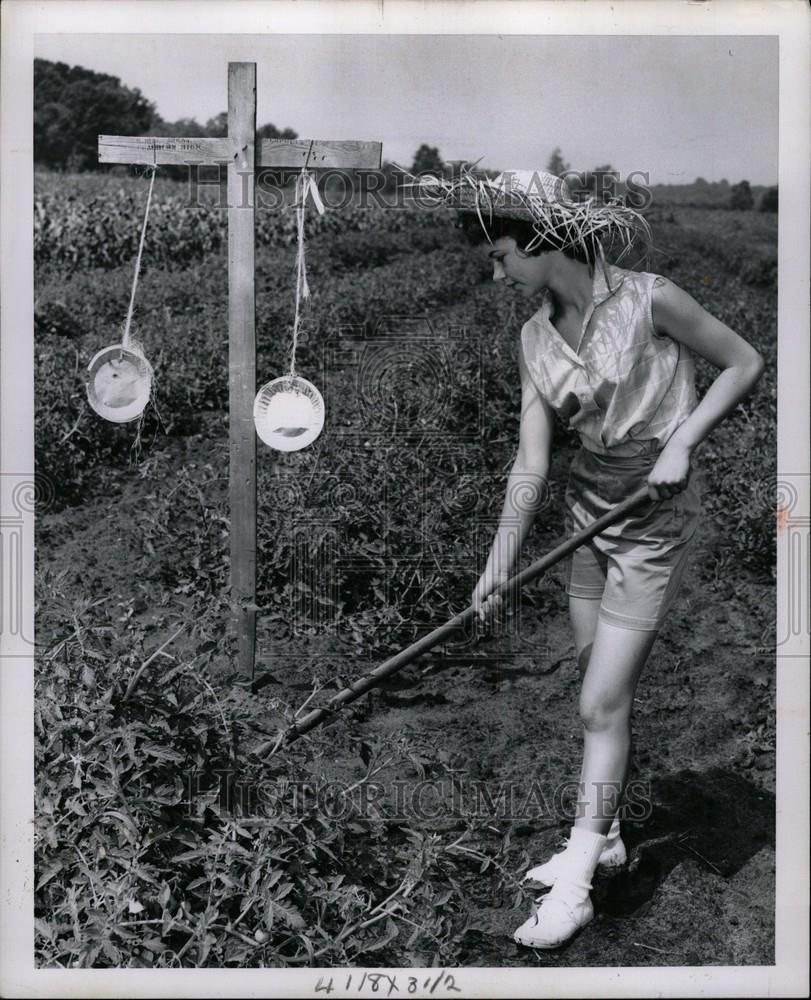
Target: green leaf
<point x="390" y="932"/>
<point x="44" y="928"/>
<point x="288" y="914"/>
<point x="111" y="952"/>
<point x="50" y="872"/>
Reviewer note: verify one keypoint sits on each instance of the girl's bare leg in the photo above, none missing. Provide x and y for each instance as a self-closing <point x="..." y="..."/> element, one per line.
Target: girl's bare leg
<point x="611" y="663"/>
<point x="583" y="613"/>
<point x="611" y="659"/>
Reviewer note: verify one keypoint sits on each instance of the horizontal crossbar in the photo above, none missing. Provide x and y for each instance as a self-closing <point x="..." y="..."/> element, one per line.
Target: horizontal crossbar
<point x="317" y="154"/>
<point x="148" y="149"/>
<point x="320" y="154"/>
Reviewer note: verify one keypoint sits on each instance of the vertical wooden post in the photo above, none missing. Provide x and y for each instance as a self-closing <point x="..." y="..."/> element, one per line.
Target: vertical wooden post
<point x="242" y="357"/>
<point x="239" y="149"/>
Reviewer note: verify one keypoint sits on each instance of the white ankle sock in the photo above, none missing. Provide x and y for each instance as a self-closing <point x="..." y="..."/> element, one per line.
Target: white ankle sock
<point x="581" y="856"/>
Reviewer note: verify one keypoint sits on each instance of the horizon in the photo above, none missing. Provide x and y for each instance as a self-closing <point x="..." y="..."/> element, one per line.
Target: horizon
<point x="671" y="131"/>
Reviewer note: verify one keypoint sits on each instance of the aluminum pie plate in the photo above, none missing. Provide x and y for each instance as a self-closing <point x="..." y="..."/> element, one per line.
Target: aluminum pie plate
<point x="119" y="383"/>
<point x="288" y="413"/>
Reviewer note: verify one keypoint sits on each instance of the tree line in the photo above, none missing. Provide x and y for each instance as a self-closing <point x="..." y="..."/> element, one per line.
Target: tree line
<point x="73" y="106"/>
<point x="604" y="181"/>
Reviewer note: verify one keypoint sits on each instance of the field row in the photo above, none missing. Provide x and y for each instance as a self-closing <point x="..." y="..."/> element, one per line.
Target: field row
<point x="373" y="534"/>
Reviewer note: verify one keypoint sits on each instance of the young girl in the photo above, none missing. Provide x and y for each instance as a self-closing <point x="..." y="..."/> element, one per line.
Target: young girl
<point x="611" y="351"/>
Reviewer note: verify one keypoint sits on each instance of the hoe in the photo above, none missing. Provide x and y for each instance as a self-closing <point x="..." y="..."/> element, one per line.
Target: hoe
<point x="506" y="590"/>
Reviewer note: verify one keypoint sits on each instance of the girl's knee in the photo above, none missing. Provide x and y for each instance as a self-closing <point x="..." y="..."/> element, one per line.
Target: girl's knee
<point x="602" y="713"/>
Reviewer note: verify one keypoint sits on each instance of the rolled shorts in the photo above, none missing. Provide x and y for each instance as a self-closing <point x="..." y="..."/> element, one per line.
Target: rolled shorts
<point x="635" y="567"/>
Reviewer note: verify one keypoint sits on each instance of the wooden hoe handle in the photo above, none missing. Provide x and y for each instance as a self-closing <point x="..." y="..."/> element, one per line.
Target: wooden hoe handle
<point x="511" y="587"/>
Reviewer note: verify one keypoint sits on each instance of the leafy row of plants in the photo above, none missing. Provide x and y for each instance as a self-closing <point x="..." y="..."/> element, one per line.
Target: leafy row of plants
<point x="728" y="244"/>
<point x="182" y="324"/>
<point x="428" y="307"/>
<point x="738" y="461"/>
<point x="170" y="835"/>
<point x="77" y="231"/>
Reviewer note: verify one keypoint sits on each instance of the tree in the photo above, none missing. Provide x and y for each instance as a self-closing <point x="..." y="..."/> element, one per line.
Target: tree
<point x="557" y="165"/>
<point x="216" y="126"/>
<point x="183" y="127"/>
<point x="601" y="182"/>
<point x="427" y="161"/>
<point x="270" y="131"/>
<point x="73" y="106"/>
<point x="740" y="197"/>
<point x="279" y="178"/>
<point x="768" y="201"/>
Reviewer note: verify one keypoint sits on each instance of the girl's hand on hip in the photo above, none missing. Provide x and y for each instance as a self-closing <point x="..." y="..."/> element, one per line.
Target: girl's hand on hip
<point x="671" y="473"/>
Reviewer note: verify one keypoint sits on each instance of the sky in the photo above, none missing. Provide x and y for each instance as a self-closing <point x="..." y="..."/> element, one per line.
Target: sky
<point x="677" y="107"/>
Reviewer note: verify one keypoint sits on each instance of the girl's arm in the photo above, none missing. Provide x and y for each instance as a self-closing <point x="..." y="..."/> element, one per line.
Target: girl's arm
<point x="525" y="487"/>
<point x="678" y="315"/>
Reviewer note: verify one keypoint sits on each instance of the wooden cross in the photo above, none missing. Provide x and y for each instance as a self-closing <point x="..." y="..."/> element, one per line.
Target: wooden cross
<point x="239" y="151"/>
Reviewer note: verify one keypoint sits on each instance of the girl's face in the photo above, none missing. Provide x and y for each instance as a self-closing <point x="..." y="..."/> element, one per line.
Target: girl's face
<point x="516" y="269"/>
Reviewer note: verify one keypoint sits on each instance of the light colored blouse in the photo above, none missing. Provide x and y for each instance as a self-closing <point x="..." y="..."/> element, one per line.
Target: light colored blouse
<point x="626" y="388"/>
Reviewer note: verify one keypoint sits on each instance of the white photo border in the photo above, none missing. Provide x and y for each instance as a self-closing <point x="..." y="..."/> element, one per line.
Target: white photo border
<point x="788" y="19"/>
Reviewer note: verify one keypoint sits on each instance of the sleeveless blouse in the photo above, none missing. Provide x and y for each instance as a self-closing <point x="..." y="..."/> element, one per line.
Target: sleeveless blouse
<point x="626" y="388"/>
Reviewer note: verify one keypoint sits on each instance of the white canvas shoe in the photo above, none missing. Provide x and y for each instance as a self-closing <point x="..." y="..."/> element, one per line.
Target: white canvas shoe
<point x="556" y="917"/>
<point x="567" y="906"/>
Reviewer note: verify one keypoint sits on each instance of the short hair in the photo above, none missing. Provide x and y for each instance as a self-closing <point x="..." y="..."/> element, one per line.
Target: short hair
<point x="523" y="232"/>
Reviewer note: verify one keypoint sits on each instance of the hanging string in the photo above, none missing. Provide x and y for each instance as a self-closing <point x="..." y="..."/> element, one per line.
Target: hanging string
<point x="305" y="184"/>
<point x="126" y="338"/>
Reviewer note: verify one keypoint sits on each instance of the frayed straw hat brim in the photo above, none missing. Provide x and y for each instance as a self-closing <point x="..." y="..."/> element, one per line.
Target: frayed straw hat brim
<point x="500" y="206"/>
<point x="564" y="221"/>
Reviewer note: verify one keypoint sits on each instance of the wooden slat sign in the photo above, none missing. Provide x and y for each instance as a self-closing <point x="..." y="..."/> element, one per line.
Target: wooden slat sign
<point x="319" y="154"/>
<point x="152" y="149"/>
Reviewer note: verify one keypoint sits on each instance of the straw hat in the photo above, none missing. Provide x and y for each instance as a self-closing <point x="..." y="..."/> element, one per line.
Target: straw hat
<point x="543" y="200"/>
